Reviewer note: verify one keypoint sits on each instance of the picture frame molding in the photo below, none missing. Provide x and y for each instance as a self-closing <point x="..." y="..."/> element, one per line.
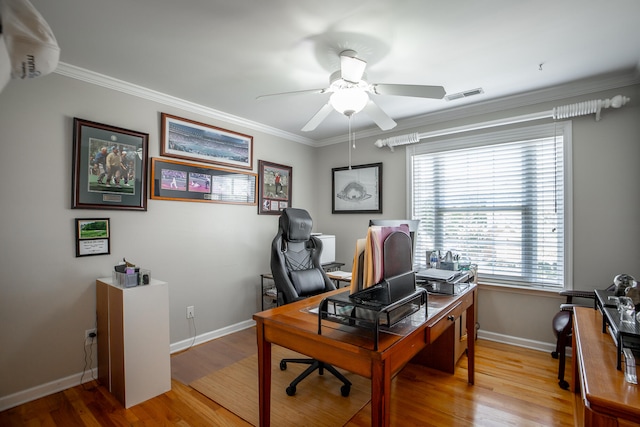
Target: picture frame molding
<point x="266" y="199"/>
<point x="166" y="149"/>
<point x="88" y="193"/>
<point x="349" y="179"/>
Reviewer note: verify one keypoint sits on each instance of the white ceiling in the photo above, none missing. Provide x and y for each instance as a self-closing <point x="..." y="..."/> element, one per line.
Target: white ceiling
<point x="222" y="54"/>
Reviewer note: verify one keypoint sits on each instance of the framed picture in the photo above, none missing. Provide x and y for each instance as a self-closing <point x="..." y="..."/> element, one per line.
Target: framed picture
<point x="93" y="237"/>
<point x="190" y="182"/>
<point x="275" y="188"/>
<point x="109" y="167"/>
<point x="357" y="189"/>
<point x="190" y="140"/>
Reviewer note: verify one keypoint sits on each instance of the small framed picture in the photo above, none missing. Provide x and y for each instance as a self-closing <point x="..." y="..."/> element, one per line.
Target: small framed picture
<point x="109" y="167"/>
<point x="191" y="140"/>
<point x="93" y="237"/>
<point x="274" y="187"/>
<point x="357" y="189"/>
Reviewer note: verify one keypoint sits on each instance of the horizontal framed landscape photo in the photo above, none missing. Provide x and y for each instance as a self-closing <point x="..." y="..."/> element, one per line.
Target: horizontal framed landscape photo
<point x="93" y="237"/>
<point x="191" y="140"/>
<point x="357" y="189"/>
<point x="109" y="167"/>
<point x="190" y="182"/>
<point x="274" y="187"/>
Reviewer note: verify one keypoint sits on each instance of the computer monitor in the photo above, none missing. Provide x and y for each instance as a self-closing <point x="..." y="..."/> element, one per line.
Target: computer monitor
<point x="413" y="228"/>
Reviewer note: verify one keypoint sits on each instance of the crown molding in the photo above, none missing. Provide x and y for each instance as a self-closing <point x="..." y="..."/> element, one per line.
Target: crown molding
<point x="550" y="94"/>
<point x="556" y="93"/>
<point x="152" y="95"/>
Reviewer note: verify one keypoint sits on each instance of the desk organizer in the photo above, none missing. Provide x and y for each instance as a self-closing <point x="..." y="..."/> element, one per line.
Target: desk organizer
<point x="369" y="315"/>
<point x="387" y="302"/>
<point x="124" y="280"/>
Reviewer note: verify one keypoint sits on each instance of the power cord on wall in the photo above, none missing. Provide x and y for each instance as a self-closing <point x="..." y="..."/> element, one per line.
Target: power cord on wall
<point x="88" y="359"/>
<point x="195" y="334"/>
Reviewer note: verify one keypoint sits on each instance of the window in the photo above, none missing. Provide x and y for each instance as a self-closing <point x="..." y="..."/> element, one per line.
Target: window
<point x="501" y="199"/>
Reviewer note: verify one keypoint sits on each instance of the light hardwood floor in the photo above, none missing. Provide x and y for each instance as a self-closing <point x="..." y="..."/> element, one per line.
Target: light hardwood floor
<point x="514" y="386"/>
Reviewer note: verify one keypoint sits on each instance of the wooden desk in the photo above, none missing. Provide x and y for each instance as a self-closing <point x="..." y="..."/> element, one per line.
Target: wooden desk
<point x="293" y="327"/>
<point x="603" y="397"/>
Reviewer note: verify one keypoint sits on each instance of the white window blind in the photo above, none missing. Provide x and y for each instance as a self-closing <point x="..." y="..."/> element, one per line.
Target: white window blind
<point x="500" y="199"/>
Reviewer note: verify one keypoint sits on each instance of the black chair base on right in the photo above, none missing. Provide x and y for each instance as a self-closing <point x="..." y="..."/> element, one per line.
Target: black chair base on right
<point x="313" y="365"/>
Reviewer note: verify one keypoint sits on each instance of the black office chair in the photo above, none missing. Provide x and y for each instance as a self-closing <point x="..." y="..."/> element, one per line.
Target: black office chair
<point x="563" y="328"/>
<point x="297" y="273"/>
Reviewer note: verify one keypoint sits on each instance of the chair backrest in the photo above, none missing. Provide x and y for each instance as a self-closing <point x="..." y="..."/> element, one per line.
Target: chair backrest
<point x="295" y="258"/>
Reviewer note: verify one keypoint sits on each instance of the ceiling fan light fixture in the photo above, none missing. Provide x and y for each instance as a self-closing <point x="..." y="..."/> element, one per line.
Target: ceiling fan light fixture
<point x="352" y="68"/>
<point x="349" y="101"/>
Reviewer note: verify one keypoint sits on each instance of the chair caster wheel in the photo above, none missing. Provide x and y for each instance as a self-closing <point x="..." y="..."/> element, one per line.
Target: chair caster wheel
<point x="563" y="385"/>
<point x="291" y="390"/>
<point x="554" y="354"/>
<point x="283" y="366"/>
<point x="344" y="390"/>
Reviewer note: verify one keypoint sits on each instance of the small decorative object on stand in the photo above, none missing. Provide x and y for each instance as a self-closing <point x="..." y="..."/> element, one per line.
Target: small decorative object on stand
<point x="127" y="275"/>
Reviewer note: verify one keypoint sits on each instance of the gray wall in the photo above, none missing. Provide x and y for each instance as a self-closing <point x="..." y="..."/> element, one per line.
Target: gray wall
<point x="606" y="211"/>
<point x="212" y="254"/>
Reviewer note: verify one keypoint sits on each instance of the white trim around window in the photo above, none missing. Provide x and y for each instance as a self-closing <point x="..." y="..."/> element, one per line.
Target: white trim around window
<point x="550" y="147"/>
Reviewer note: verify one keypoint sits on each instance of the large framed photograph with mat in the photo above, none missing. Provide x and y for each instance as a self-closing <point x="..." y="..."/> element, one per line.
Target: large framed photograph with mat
<point x="357" y="189"/>
<point x="191" y="140"/>
<point x="109" y="167"/>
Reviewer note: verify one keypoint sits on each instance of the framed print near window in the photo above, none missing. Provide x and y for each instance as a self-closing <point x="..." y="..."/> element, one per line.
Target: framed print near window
<point x="274" y="188"/>
<point x="357" y="190"/>
<point x="109" y="167"/>
<point x="93" y="237"/>
<point x="191" y="182"/>
<point x="191" y="140"/>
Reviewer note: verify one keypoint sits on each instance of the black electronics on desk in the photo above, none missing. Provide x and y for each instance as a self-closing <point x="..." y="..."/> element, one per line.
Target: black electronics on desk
<point x="447" y="282"/>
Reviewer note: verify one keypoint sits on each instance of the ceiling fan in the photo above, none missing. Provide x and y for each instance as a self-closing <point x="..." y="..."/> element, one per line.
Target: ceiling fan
<point x="350" y="93"/>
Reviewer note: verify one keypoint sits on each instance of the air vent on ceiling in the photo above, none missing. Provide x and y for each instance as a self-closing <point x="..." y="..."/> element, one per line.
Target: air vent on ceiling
<point x="465" y="94"/>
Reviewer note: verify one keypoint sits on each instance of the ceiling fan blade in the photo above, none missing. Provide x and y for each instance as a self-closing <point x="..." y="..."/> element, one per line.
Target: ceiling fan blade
<point x="351" y="68"/>
<point x="318" y="118"/>
<point x="381" y="118"/>
<point x="295" y="92"/>
<point x="418" y="91"/>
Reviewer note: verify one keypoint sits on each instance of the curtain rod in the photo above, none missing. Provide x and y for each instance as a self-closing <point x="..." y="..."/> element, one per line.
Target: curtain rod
<point x="563" y="112"/>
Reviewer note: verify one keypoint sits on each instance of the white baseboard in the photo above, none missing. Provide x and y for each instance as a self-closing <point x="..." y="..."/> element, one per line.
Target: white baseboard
<point x="199" y="339"/>
<point x="24" y="396"/>
<point x="520" y="342"/>
<point x="12" y="400"/>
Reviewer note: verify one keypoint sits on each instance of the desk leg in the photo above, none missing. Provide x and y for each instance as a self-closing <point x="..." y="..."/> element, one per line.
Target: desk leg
<point x="471" y="342"/>
<point x="380" y="394"/>
<point x="264" y="376"/>
<point x="574" y="363"/>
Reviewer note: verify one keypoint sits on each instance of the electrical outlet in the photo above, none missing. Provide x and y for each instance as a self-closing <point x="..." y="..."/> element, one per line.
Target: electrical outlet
<point x="191" y="312"/>
<point x="90" y="336"/>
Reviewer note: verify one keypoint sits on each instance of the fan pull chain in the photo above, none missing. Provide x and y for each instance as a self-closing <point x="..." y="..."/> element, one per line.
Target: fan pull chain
<point x="349" y="142"/>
